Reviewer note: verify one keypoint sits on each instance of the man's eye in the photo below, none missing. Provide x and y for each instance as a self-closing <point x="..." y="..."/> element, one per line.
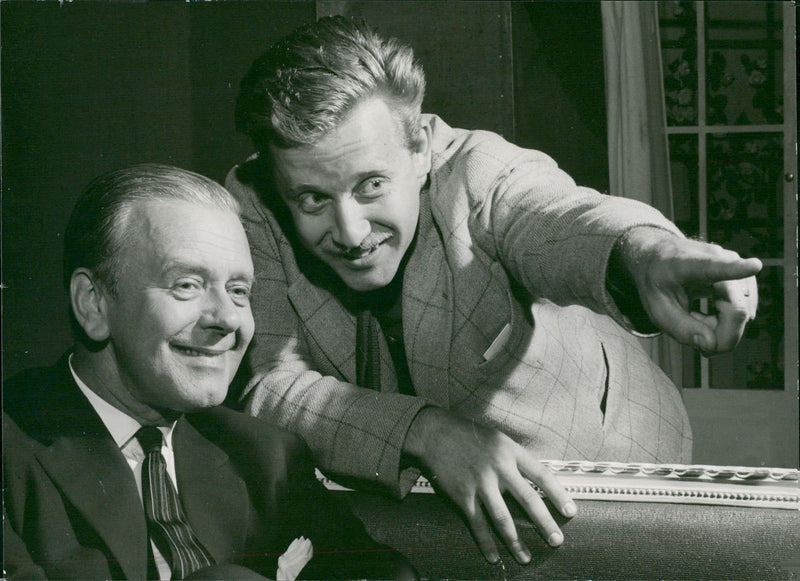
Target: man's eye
<point x="187" y="288"/>
<point x="373" y="187"/>
<point x="240" y="294"/>
<point x="312" y="202"/>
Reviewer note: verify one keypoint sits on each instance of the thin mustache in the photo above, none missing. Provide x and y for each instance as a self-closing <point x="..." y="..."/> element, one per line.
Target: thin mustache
<point x="367" y="245"/>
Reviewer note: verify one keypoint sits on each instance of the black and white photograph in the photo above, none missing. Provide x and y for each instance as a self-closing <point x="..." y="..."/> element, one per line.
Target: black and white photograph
<point x="399" y="289"/>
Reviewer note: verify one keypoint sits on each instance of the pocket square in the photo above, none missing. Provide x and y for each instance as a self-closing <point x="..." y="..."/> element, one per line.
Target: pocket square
<point x="498" y="343"/>
<point x="294" y="559"/>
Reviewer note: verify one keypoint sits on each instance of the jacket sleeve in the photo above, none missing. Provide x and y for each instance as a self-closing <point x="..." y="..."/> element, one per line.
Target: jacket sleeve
<point x="352" y="431"/>
<point x="552" y="236"/>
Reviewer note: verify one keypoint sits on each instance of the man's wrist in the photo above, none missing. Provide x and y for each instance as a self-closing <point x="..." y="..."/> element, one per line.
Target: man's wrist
<point x="415" y="446"/>
<point x="628" y="256"/>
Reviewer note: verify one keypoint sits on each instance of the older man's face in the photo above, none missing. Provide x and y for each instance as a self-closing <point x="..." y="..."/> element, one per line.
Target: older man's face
<point x="181" y="320"/>
<point x="354" y="195"/>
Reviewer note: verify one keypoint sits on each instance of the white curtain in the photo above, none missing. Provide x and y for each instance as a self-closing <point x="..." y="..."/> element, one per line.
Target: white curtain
<point x="638" y="148"/>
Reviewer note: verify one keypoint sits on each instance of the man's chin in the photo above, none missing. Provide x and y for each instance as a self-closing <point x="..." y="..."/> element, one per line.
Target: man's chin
<point x="212" y="398"/>
<point x="372" y="274"/>
<point x="364" y="284"/>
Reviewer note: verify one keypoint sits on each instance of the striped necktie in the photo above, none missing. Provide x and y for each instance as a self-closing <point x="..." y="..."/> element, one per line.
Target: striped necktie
<point x="166" y="521"/>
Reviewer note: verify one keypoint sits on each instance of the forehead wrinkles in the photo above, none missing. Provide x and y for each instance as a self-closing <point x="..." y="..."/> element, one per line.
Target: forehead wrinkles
<point x="162" y="234"/>
<point x="326" y="167"/>
<point x="335" y="150"/>
<point x="370" y="135"/>
<point x="225" y="246"/>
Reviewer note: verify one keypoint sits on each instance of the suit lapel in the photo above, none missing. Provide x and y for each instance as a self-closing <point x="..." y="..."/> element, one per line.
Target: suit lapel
<point x="214" y="498"/>
<point x="428" y="310"/>
<point x="331" y="326"/>
<point x="86" y="464"/>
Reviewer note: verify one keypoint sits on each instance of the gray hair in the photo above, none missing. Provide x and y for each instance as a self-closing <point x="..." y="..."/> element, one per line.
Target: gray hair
<point x="99" y="225"/>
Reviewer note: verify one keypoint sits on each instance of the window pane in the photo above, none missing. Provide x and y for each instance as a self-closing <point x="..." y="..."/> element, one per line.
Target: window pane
<point x="744" y="63"/>
<point x="745" y="193"/>
<point x="678" y="30"/>
<point x="690" y="360"/>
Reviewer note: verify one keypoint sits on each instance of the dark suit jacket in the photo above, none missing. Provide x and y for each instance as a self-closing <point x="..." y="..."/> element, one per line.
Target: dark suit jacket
<point x="72" y="510"/>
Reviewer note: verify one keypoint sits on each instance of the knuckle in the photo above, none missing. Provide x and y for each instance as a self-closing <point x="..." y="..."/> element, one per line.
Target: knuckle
<point x="503" y="519"/>
<point x="715" y="249"/>
<point x="530" y="497"/>
<point x="473" y="517"/>
<point x="537" y="469"/>
<point x="499" y="442"/>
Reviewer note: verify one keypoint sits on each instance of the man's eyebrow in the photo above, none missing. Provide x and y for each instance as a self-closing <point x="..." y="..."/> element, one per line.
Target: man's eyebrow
<point x="249" y="279"/>
<point x="301" y="189"/>
<point x="178" y="266"/>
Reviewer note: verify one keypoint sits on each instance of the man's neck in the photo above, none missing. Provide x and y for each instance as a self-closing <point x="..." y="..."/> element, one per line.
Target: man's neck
<point x="382" y="299"/>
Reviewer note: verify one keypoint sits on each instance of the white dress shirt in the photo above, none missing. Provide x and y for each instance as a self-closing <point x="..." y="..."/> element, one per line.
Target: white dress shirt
<point x="123" y="429"/>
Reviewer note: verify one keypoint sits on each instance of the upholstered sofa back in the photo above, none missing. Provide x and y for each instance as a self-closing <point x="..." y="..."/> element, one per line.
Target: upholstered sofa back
<point x="716" y="528"/>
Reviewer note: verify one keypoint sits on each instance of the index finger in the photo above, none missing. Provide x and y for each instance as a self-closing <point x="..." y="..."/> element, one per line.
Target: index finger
<point x="726" y="266"/>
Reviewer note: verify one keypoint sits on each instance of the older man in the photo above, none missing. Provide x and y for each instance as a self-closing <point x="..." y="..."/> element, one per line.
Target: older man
<point x="440" y="299"/>
<point x="117" y="463"/>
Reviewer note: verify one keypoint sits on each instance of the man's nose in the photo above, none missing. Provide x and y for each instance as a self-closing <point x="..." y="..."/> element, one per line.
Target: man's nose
<point x="351" y="226"/>
<point x="220" y="313"/>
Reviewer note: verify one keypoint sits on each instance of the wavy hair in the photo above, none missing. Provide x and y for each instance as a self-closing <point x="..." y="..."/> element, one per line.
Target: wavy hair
<point x="306" y="84"/>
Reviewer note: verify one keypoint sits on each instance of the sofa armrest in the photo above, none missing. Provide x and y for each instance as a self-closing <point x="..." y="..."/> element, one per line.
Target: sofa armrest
<point x="635" y="521"/>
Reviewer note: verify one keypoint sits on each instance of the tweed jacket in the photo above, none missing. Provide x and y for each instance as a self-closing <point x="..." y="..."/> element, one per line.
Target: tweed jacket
<point x="506" y="320"/>
<point x="71" y="509"/>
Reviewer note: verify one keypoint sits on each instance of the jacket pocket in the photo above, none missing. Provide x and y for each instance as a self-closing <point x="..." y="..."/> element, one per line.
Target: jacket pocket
<point x="507" y="324"/>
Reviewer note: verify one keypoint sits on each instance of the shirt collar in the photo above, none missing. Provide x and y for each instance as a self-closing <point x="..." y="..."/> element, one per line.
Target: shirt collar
<point x="121" y="426"/>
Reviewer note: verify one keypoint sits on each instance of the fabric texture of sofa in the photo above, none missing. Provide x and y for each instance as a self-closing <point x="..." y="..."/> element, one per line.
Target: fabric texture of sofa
<point x="634" y="522"/>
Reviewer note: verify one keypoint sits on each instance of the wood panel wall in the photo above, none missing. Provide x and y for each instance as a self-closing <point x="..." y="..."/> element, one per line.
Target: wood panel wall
<point x="89" y="87"/>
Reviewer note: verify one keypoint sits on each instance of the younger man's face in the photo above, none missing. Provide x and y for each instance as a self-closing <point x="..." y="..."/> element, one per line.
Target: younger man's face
<point x="354" y="195"/>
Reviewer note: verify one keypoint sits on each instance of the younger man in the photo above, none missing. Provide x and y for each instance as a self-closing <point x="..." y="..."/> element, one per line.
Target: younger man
<point x="435" y="298"/>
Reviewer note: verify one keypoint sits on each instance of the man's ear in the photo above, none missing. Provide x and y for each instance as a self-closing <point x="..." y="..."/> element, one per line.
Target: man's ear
<point x="89" y="304"/>
<point x="422" y="153"/>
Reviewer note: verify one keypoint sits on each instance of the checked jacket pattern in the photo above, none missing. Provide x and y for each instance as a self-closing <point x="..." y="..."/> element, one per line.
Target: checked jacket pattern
<point x="505" y="239"/>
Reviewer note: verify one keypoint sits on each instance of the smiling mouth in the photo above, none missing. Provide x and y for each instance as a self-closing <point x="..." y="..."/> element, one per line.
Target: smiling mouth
<point x="198" y="351"/>
<point x="358" y="253"/>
